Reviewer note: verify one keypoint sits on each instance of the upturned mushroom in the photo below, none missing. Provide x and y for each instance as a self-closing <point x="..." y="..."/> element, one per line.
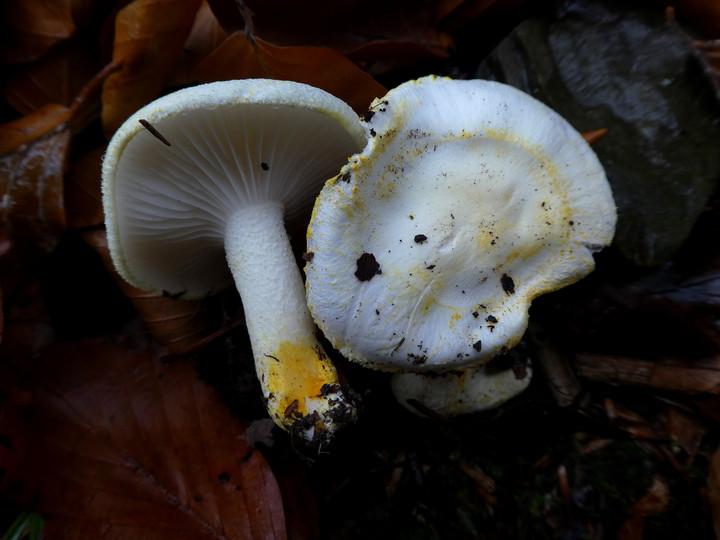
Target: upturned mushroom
<point x="470" y="200"/>
<point x="196" y="187"/>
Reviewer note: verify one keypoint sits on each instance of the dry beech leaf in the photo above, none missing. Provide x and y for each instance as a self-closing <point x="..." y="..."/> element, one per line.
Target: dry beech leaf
<point x="174" y="323"/>
<point x="118" y="445"/>
<point x="239" y="58"/>
<point x="30" y="29"/>
<point x="149" y="36"/>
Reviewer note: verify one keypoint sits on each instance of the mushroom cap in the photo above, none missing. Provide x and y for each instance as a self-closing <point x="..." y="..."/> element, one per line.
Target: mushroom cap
<point x="470" y="199"/>
<point x="232" y="144"/>
<point x="453" y="393"/>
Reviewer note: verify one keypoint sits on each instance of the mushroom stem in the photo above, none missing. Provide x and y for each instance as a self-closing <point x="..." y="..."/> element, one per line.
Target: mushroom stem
<point x="298" y="380"/>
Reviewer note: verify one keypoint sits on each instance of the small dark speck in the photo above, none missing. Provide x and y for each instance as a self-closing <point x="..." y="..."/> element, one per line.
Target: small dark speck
<point x="264" y="166"/>
<point x="477" y="345"/>
<point x="373" y="133"/>
<point x="571" y="222"/>
<point x="367" y="267"/>
<point x="346" y="177"/>
<point x="224" y="477"/>
<point x="411" y="217"/>
<point x="475" y="314"/>
<point x="197" y="498"/>
<point x="491" y="318"/>
<point x="420" y="238"/>
<point x="308" y="256"/>
<point x="508" y="284"/>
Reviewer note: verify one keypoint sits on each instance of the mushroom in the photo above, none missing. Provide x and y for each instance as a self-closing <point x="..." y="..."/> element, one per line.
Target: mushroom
<point x="196" y="186"/>
<point x="470" y="199"/>
<point x="465" y="391"/>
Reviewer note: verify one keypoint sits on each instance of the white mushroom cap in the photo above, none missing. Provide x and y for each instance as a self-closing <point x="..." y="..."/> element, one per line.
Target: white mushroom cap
<point x="470" y="200"/>
<point x="233" y="143"/>
<point x="453" y="393"/>
<point x="186" y="216"/>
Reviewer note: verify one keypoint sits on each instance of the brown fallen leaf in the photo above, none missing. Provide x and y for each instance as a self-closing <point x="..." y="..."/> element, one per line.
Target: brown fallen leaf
<point x="30" y="29"/>
<point x="118" y="445"/>
<point x="149" y="36"/>
<point x="33" y="152"/>
<point x="378" y="36"/>
<point x="33" y="160"/>
<point x="654" y="502"/>
<point x="594" y="135"/>
<point x="175" y="323"/>
<point x="205" y="36"/>
<point x="56" y="78"/>
<point x="239" y="57"/>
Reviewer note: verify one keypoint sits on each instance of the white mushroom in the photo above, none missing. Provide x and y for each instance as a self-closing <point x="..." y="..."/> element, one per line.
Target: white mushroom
<point x="470" y="200"/>
<point x="452" y="393"/>
<point x="200" y="180"/>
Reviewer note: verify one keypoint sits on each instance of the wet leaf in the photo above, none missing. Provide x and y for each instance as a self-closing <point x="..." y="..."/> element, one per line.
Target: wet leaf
<point x="149" y="35"/>
<point x="647" y="87"/>
<point x="122" y="446"/>
<point x="33" y="153"/>
<point x="239" y="57"/>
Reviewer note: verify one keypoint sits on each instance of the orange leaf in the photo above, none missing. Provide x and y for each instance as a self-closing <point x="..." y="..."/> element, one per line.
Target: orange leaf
<point x="123" y="446"/>
<point x="30" y="29"/>
<point x="149" y="35"/>
<point x="240" y="58"/>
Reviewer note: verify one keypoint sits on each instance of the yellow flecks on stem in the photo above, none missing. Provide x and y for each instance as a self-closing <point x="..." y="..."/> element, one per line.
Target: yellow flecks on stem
<point x="297" y="371"/>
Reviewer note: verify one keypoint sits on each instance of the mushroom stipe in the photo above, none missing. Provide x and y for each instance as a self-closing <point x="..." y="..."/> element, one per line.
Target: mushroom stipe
<point x="210" y="211"/>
